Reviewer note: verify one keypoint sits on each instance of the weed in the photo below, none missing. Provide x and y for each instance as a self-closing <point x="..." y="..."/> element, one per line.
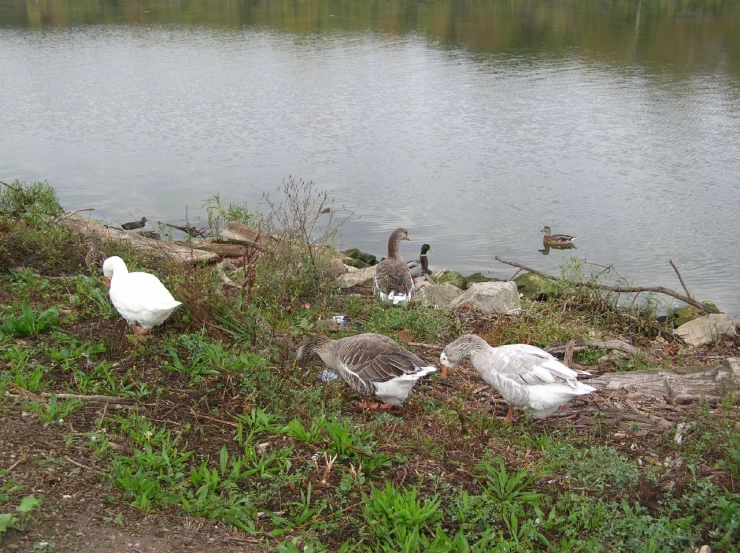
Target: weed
<point x="24" y="509"/>
<point x="38" y="198"/>
<point x="54" y="410"/>
<point x="29" y="322"/>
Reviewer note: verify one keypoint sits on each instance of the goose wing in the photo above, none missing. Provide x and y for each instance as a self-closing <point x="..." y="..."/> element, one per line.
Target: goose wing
<point x="393" y="275"/>
<point x="531" y="366"/>
<point x="377" y="358"/>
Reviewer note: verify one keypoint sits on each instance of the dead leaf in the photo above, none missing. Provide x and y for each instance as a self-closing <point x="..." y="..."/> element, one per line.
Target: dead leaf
<point x="405" y="336"/>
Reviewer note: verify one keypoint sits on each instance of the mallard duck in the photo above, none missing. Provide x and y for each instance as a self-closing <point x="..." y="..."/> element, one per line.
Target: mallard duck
<point x="94" y="258"/>
<point x="420" y="267"/>
<point x="134" y="224"/>
<point x="372" y="364"/>
<point x="393" y="282"/>
<point x="140" y="298"/>
<point x="556" y="239"/>
<point x="526" y="376"/>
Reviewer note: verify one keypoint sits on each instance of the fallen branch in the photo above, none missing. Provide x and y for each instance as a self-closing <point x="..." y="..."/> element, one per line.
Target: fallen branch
<point x="422" y="345"/>
<point x="82" y="397"/>
<point x="678" y="386"/>
<point x="618" y="345"/>
<point x="18" y="462"/>
<point x="65" y="215"/>
<point x="173" y="252"/>
<point x="621" y="289"/>
<point x="680" y="278"/>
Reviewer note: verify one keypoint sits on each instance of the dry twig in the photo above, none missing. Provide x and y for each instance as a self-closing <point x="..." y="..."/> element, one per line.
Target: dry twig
<point x="626" y="289"/>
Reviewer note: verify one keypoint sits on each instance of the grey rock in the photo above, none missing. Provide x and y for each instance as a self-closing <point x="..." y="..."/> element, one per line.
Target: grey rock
<point x="436" y="295"/>
<point x="491" y="297"/>
<point x="358" y="277"/>
<point x="450" y="276"/>
<point x="706" y="330"/>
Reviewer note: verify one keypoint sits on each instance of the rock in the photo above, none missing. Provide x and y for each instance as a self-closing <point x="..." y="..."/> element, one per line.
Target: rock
<point x="436" y="295"/>
<point x="706" y="330"/>
<point x="531" y="285"/>
<point x="367" y="258"/>
<point x="356" y="263"/>
<point x="357" y="278"/>
<point x="491" y="297"/>
<point x="335" y="268"/>
<point x="683" y="315"/>
<point x="452" y="277"/>
<point x="478" y="277"/>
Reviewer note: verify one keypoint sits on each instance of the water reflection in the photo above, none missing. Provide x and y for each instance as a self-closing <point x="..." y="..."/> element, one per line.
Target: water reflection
<point x="547" y="247"/>
<point x="626" y="33"/>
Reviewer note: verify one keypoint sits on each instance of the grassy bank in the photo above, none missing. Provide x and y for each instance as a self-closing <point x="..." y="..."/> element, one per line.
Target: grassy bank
<point x="208" y="421"/>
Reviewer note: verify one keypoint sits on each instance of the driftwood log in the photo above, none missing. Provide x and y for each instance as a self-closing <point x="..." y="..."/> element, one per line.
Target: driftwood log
<point x="242" y="234"/>
<point x="167" y="250"/>
<point x="680" y="385"/>
<point x="224" y="250"/>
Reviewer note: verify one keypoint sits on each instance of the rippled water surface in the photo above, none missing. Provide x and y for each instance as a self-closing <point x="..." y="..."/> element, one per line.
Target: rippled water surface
<point x="472" y="124"/>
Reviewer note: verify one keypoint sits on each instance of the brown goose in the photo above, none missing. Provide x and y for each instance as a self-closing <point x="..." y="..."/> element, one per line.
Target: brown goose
<point x="393" y="282"/>
<point x="94" y="258"/>
<point x="372" y="364"/>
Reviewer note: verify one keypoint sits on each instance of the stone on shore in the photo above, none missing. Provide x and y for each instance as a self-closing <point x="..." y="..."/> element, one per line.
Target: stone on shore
<point x="478" y="277"/>
<point x="491" y="297"/>
<point x="531" y="285"/>
<point x="450" y="276"/>
<point x="360" y="277"/>
<point x="356" y="263"/>
<point x="367" y="258"/>
<point x="706" y="330"/>
<point x="683" y="315"/>
<point x="436" y="295"/>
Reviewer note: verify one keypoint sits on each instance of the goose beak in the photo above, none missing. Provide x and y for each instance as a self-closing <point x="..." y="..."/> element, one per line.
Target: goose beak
<point x="107" y="282"/>
<point x="444" y="372"/>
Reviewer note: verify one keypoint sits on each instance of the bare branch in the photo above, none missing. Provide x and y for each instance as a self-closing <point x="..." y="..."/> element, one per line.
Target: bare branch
<point x="629" y="289"/>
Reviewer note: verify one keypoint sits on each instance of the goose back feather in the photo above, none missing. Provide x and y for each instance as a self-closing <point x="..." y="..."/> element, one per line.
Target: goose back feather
<point x="526" y="376"/>
<point x="371" y="364"/>
<point x="393" y="282"/>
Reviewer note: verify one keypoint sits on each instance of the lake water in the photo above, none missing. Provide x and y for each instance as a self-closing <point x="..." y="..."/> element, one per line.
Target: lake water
<point x="472" y="124"/>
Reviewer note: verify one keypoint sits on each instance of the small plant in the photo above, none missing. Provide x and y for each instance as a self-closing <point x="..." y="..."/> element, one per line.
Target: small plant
<point x="508" y="487"/>
<point x="9" y="520"/>
<point x="219" y="214"/>
<point x="54" y="411"/>
<point x="29" y="322"/>
<point x="38" y="198"/>
<point x="400" y="520"/>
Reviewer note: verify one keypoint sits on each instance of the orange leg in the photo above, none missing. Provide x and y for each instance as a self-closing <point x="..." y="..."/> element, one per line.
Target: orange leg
<point x="510" y="415"/>
<point x="367" y="404"/>
<point x="138" y="330"/>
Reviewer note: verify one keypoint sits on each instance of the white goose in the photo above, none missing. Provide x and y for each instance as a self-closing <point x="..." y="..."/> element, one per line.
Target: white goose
<point x="372" y="364"/>
<point x="526" y="376"/>
<point x="140" y="298"/>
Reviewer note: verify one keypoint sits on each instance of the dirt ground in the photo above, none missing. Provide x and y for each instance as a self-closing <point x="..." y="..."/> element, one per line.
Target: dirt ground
<point x="76" y="515"/>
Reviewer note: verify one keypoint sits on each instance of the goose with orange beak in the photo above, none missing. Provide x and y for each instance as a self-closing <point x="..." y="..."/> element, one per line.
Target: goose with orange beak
<point x="527" y="377"/>
<point x="139" y="297"/>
